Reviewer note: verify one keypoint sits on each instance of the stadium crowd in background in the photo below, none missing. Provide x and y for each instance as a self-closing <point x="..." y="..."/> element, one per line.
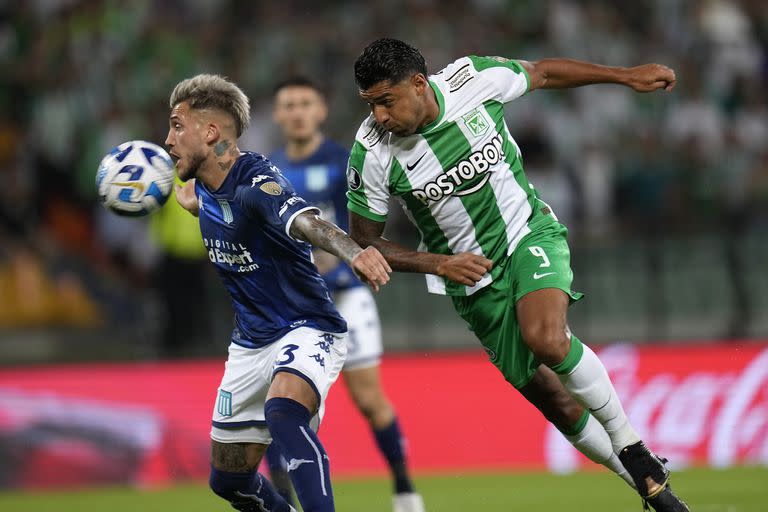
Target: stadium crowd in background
<point x="79" y="77"/>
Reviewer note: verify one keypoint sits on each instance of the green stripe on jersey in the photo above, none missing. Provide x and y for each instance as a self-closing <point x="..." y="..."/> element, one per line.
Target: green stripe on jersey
<point x="450" y="147"/>
<point x="356" y="199"/>
<point x="432" y="236"/>
<point x="441" y="108"/>
<point x="495" y="109"/>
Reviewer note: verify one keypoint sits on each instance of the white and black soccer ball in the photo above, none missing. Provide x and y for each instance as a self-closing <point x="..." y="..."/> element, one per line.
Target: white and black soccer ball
<point x="135" y="178"/>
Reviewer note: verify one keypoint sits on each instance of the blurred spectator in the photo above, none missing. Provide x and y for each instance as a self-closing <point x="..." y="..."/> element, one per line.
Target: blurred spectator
<point x="180" y="277"/>
<point x="80" y="76"/>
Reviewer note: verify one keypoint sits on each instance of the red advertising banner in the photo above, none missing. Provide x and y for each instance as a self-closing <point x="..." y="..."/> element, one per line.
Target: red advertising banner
<point x="149" y="423"/>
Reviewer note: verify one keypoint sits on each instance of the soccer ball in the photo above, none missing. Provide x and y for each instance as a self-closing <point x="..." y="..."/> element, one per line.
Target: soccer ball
<point x="135" y="178"/>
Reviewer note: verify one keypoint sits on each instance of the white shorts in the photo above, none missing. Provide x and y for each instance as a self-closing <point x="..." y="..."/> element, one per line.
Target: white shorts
<point x="358" y="308"/>
<point x="315" y="356"/>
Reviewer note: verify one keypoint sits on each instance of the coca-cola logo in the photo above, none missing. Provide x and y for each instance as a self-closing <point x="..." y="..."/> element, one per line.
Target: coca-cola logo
<point x="719" y="417"/>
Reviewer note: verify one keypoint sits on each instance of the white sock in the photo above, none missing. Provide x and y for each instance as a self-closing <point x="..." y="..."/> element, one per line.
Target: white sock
<point x="594" y="442"/>
<point x="589" y="384"/>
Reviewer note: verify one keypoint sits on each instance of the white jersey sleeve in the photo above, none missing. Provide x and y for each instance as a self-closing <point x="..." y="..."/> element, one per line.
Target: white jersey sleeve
<point x="508" y="77"/>
<point x="368" y="172"/>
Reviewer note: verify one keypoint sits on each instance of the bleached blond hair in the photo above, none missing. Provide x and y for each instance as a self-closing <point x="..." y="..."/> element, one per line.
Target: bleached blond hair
<point x="205" y="91"/>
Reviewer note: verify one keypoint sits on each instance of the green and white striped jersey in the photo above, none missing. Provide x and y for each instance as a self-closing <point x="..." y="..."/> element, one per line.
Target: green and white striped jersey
<point x="460" y="179"/>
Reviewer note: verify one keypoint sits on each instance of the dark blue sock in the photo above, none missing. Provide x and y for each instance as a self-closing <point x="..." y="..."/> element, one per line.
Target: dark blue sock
<point x="390" y="442"/>
<point x="308" y="466"/>
<point x="247" y="492"/>
<point x="278" y="473"/>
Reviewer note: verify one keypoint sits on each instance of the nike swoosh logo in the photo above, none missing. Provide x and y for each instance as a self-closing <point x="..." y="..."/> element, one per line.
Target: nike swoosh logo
<point x="412" y="166"/>
<point x="536" y="275"/>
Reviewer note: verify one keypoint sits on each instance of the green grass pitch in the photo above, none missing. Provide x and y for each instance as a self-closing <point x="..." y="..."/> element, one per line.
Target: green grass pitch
<point x="733" y="490"/>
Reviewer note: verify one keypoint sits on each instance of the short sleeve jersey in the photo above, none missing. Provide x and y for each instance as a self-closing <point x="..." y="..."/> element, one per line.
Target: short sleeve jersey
<point x="321" y="180"/>
<point x="269" y="275"/>
<point x="460" y="179"/>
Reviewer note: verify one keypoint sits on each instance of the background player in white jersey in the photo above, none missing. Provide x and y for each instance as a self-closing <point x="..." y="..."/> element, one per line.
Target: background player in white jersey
<point x="288" y="346"/>
<point x="316" y="167"/>
<point x="440" y="144"/>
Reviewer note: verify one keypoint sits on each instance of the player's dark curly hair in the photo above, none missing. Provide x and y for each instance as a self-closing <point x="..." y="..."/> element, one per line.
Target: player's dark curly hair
<point x="388" y="59"/>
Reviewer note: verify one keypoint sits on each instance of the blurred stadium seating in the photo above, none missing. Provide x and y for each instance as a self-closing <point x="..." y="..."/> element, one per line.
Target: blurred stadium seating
<point x="666" y="195"/>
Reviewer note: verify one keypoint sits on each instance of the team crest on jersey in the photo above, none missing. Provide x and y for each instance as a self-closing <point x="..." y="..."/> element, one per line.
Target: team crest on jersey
<point x="354" y="180"/>
<point x="475" y="123"/>
<point x="271" y="188"/>
<point x="226" y="211"/>
<point x="224" y="403"/>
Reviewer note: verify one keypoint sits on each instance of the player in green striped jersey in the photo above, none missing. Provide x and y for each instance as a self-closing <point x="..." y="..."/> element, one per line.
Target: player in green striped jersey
<point x="440" y="145"/>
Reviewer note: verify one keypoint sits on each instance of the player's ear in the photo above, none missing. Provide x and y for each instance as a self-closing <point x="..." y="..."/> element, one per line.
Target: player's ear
<point x="420" y="82"/>
<point x="323" y="112"/>
<point x="212" y="133"/>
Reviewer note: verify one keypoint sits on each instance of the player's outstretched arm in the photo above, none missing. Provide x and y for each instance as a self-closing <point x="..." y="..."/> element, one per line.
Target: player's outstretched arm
<point x="564" y="73"/>
<point x="186" y="197"/>
<point x="464" y="268"/>
<point x="367" y="263"/>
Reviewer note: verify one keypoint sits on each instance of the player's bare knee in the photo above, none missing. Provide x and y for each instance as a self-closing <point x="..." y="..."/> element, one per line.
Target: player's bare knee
<point x="548" y="341"/>
<point x="367" y="410"/>
<point x="373" y="406"/>
<point x="365" y="403"/>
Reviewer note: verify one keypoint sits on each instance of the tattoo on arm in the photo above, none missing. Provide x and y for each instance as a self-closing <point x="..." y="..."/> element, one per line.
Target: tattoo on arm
<point x="324" y="235"/>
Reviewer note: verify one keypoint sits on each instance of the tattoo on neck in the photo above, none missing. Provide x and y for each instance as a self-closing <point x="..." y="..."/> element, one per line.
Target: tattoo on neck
<point x="225" y="165"/>
<point x="221" y="147"/>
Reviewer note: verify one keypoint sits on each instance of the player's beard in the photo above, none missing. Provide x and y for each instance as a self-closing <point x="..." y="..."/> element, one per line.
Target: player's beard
<point x="194" y="162"/>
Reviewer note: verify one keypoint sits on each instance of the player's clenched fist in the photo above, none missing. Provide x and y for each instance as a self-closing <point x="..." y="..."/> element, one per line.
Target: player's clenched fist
<point x="464" y="268"/>
<point x="371" y="267"/>
<point x="650" y="77"/>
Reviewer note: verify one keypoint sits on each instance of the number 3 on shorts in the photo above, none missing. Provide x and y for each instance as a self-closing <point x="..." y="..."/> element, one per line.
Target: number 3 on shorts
<point x="539" y="253"/>
<point x="287" y="353"/>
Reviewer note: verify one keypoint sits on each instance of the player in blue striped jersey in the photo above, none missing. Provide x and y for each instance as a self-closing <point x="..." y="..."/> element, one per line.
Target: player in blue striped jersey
<point x="288" y="344"/>
<point x="316" y="166"/>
